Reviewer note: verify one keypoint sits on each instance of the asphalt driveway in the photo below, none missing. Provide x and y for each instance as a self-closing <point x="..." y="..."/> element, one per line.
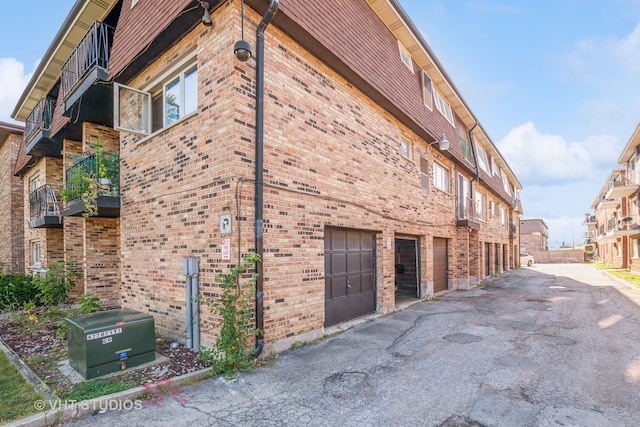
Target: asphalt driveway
<point x="550" y="345"/>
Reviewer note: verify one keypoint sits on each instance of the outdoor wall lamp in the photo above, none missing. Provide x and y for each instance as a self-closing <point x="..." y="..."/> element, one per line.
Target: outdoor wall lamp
<point x="242" y="48"/>
<point x="443" y="143"/>
<point x="206" y="18"/>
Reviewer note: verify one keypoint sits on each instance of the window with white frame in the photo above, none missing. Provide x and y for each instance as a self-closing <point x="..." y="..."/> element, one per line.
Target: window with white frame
<point x="494" y="167"/>
<point x="170" y="98"/>
<point x="440" y="177"/>
<point x="636" y="243"/>
<point x="479" y="204"/>
<point x="424" y="173"/>
<point x="427" y="90"/>
<point x="463" y="197"/>
<point x="505" y="182"/>
<point x="34" y="183"/>
<point x="405" y="149"/>
<point x="503" y="216"/>
<point x="405" y="56"/>
<point x="443" y="106"/>
<point x="483" y="158"/>
<point x="35" y="253"/>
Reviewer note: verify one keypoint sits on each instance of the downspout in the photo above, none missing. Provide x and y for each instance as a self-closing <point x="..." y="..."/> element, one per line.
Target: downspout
<point x="259" y="196"/>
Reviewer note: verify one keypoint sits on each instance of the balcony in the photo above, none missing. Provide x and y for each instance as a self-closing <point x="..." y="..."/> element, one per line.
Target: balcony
<point x="608" y="204"/>
<point x="37" y="129"/>
<point x="589" y="220"/>
<point x="92" y="186"/>
<point x="44" y="208"/>
<point x="619" y="188"/>
<point x="513" y="231"/>
<point x="467" y="216"/>
<point x="88" y="65"/>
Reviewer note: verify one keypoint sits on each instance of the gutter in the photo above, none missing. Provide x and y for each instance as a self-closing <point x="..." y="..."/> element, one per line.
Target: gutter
<point x="259" y="190"/>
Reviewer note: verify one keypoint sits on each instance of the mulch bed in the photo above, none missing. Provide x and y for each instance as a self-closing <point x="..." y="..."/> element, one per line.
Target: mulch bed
<point x="37" y="344"/>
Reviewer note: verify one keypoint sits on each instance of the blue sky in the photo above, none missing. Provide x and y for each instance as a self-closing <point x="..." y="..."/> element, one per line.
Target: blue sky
<point x="553" y="82"/>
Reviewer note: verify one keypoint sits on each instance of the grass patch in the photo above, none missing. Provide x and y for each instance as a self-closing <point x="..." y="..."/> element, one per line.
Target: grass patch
<point x="16" y="395"/>
<point x="94" y="388"/>
<point x="628" y="277"/>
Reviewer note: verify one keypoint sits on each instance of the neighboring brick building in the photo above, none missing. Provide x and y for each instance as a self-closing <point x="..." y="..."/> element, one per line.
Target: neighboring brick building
<point x="352" y="202"/>
<point x="12" y="205"/>
<point x="534" y="235"/>
<point x="614" y="227"/>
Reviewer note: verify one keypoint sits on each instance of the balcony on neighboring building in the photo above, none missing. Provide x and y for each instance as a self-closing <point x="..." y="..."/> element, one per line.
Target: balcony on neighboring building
<point x="37" y="131"/>
<point x="620" y="187"/>
<point x="83" y="97"/>
<point x="92" y="186"/>
<point x="45" y="207"/>
<point x="467" y="215"/>
<point x="606" y="203"/>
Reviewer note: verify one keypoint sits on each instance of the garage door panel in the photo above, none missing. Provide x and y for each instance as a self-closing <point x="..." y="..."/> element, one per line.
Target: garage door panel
<point x="366" y="262"/>
<point x="349" y="275"/>
<point x="339" y="263"/>
<point x="440" y="267"/>
<point x="338" y="287"/>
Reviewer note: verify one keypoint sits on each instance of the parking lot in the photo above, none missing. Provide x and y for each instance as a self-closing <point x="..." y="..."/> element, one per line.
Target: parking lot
<point x="550" y="345"/>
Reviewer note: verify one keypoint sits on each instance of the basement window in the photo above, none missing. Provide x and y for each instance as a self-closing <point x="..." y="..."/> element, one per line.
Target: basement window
<point x="169" y="99"/>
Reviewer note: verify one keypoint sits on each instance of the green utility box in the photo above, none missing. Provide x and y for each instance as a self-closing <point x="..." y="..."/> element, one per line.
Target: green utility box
<point x="110" y="341"/>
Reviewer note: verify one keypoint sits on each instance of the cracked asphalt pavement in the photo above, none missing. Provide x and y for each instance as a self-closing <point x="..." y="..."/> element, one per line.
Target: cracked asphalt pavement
<point x="550" y="345"/>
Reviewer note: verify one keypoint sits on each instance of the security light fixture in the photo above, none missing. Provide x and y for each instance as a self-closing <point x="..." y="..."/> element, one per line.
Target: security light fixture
<point x="443" y="143"/>
<point x="242" y="48"/>
<point x="206" y="18"/>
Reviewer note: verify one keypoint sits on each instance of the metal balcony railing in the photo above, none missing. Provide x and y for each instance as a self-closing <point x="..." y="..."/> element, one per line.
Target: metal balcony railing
<point x="467" y="209"/>
<point x="95" y="173"/>
<point x="92" y="51"/>
<point x="39" y="119"/>
<point x="44" y="202"/>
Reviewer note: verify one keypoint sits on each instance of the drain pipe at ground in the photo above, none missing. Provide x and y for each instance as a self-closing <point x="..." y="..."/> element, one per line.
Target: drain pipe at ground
<point x="259" y="196"/>
<point x="190" y="268"/>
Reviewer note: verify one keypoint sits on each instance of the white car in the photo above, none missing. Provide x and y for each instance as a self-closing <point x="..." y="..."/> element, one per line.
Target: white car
<point x="526" y="259"/>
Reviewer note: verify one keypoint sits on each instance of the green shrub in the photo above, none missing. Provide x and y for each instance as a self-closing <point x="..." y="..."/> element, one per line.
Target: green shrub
<point x="229" y="353"/>
<point x="17" y="290"/>
<point x="55" y="285"/>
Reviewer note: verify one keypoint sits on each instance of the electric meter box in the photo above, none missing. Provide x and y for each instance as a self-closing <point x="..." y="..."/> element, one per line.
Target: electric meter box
<point x="110" y="341"/>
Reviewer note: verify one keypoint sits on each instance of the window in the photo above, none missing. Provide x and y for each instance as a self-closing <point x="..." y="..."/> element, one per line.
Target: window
<point x="503" y="216"/>
<point x="427" y="91"/>
<point x="133" y="3"/>
<point x="505" y="183"/>
<point x="463" y="197"/>
<point x="35" y="253"/>
<point x="479" y="204"/>
<point x="493" y="207"/>
<point x="34" y="183"/>
<point x="424" y="173"/>
<point x="405" y="56"/>
<point x="466" y="150"/>
<point x="405" y="149"/>
<point x="172" y="97"/>
<point x="636" y="243"/>
<point x="443" y="106"/>
<point x="440" y="177"/>
<point x="494" y="167"/>
<point x="483" y="158"/>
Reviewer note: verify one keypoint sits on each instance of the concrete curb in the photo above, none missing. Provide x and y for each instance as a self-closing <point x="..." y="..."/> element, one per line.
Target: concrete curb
<point x="125" y="400"/>
<point x="27" y="373"/>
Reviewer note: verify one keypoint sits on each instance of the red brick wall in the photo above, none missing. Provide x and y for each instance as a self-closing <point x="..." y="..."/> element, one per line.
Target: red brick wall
<point x="332" y="158"/>
<point x="11" y="209"/>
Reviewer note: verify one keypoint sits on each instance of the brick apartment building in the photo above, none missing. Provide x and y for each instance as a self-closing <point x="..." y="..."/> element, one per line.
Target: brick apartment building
<point x="613" y="229"/>
<point x="534" y="235"/>
<point x="12" y="206"/>
<point x="321" y="152"/>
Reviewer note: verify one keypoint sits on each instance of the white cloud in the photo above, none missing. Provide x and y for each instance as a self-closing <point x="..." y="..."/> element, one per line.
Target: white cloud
<point x="13" y="81"/>
<point x="598" y="112"/>
<point x="627" y="50"/>
<point x="544" y="159"/>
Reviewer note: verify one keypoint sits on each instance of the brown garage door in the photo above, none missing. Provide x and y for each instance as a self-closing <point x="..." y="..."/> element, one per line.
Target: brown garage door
<point x="349" y="278"/>
<point x="440" y="277"/>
